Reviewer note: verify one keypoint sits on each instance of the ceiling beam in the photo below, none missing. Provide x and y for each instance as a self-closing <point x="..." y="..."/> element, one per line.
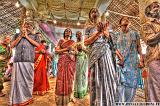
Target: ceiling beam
<point x="81" y="4"/>
<point x="104" y="5"/>
<point x="30" y="4"/>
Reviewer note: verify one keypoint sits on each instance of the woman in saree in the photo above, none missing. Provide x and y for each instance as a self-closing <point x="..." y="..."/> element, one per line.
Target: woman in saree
<point x="101" y="62"/>
<point x="66" y="69"/>
<point x="151" y="36"/>
<point x="41" y="83"/>
<point x="128" y="44"/>
<point x="81" y="78"/>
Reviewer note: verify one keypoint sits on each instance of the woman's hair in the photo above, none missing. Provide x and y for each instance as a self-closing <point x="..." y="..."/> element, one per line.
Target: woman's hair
<point x="43" y="41"/>
<point x="122" y="19"/>
<point x="65" y="31"/>
<point x="38" y="33"/>
<point x="11" y="64"/>
<point x="91" y="12"/>
<point x="78" y="32"/>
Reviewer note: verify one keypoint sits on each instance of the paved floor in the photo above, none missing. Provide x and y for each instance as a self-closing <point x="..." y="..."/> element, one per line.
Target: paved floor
<point x="49" y="98"/>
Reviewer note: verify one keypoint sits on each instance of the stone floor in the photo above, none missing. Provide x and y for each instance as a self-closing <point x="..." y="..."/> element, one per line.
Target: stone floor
<point x="49" y="98"/>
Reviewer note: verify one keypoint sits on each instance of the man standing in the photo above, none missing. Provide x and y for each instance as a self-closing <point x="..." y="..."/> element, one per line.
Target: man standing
<point x="23" y="66"/>
<point x="151" y="35"/>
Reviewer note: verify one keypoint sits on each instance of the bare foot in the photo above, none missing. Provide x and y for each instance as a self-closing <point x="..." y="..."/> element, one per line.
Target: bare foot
<point x="2" y="94"/>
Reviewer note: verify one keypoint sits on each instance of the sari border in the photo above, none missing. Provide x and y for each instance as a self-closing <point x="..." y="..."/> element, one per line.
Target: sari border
<point x="37" y="62"/>
<point x="30" y="101"/>
<point x="40" y="93"/>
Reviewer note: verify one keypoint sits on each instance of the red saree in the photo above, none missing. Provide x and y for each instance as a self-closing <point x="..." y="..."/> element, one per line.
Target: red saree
<point x="65" y="75"/>
<point x="41" y="83"/>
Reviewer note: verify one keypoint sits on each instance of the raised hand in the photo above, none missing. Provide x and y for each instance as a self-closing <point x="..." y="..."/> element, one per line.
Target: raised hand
<point x="106" y="25"/>
<point x="106" y="29"/>
<point x="106" y="33"/>
<point x="79" y="47"/>
<point x="100" y="27"/>
<point x="24" y="32"/>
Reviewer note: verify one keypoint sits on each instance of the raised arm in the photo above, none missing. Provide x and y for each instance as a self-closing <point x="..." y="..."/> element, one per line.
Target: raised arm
<point x="35" y="43"/>
<point x="92" y="38"/>
<point x="15" y="41"/>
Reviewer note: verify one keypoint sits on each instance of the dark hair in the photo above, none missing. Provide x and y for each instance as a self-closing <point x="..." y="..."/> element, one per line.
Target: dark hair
<point x="65" y="31"/>
<point x="38" y="33"/>
<point x="43" y="41"/>
<point x="11" y="64"/>
<point x="91" y="12"/>
<point x="122" y="19"/>
<point x="78" y="32"/>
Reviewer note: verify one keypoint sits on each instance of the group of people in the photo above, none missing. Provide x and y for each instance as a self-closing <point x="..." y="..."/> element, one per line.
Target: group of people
<point x="97" y="54"/>
<point x="112" y="60"/>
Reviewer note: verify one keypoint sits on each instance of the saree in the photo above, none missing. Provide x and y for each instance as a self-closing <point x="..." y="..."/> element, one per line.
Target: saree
<point x="81" y="78"/>
<point x="21" y="84"/>
<point x="103" y="74"/>
<point x="130" y="73"/>
<point x="65" y="75"/>
<point x="41" y="83"/>
<point x="153" y="81"/>
<point x="152" y="60"/>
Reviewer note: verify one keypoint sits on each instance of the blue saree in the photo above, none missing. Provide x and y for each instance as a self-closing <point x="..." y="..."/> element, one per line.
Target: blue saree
<point x="130" y="74"/>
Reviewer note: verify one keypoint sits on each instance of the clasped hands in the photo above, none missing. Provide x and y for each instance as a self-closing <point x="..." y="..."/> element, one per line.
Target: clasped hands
<point x="102" y="29"/>
<point x="70" y="48"/>
<point x="24" y="34"/>
<point x="74" y="48"/>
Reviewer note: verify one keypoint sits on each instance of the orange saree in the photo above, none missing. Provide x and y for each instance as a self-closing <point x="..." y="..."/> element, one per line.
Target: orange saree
<point x="41" y="83"/>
